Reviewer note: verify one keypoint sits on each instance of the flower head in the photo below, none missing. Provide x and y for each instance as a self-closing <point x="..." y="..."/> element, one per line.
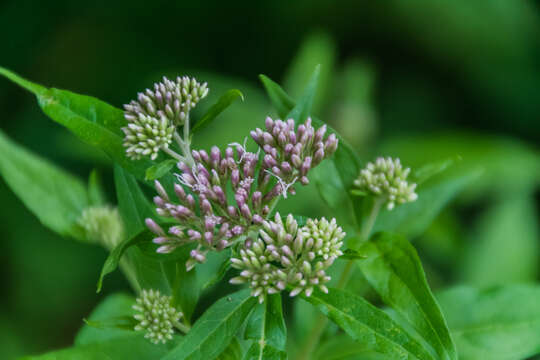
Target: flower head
<point x="170" y="99"/>
<point x="284" y="255"/>
<point x="102" y="224"/>
<point x="154" y="116"/>
<point x="156" y="316"/>
<point x="387" y="178"/>
<point x="290" y="153"/>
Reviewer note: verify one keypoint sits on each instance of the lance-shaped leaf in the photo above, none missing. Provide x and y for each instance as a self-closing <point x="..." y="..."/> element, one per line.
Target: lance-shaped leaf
<point x="53" y="195"/>
<point x="368" y="325"/>
<point x="233" y="352"/>
<point x="214" y="330"/>
<point x="92" y="120"/>
<point x="159" y="170"/>
<point x="96" y="194"/>
<point x="394" y="270"/>
<point x="497" y="324"/>
<point x="412" y="219"/>
<point x="267" y="329"/>
<point x="223" y="103"/>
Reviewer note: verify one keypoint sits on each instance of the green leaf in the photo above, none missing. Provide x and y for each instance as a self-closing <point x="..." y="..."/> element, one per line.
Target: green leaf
<point x="279" y="98"/>
<point x="112" y="261"/>
<point x="507" y="231"/>
<point x="342" y="347"/>
<point x="317" y="48"/>
<point x="129" y="347"/>
<point x="213" y="332"/>
<point x="351" y="254"/>
<point x="233" y="352"/>
<point x="96" y="195"/>
<point x="223" y="103"/>
<point x="267" y="329"/>
<point x="156" y="171"/>
<point x="300" y="112"/>
<point x="412" y="219"/>
<point x="368" y="325"/>
<point x="393" y="269"/>
<point x="93" y="121"/>
<point x="497" y="324"/>
<point x="53" y="195"/>
<point x="132" y="204"/>
<point x="112" y="307"/>
<point x="429" y="170"/>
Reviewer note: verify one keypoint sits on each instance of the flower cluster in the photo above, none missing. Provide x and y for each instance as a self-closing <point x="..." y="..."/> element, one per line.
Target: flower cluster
<point x="213" y="220"/>
<point x="102" y="224"/>
<point x="387" y="178"/>
<point x="156" y="316"/>
<point x="285" y="256"/>
<point x="154" y="116"/>
<point x="290" y="153"/>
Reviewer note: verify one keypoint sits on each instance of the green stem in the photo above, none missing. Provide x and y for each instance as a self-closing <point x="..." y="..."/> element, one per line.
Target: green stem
<point x="182" y="327"/>
<point x="322" y="321"/>
<point x="173" y="154"/>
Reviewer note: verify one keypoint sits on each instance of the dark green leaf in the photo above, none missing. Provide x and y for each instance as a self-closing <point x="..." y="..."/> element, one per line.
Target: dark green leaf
<point x="213" y="332"/>
<point x="93" y="121"/>
<point x="350" y="254"/>
<point x="112" y="261"/>
<point x="279" y="98"/>
<point x="233" y="352"/>
<point x="368" y="325"/>
<point x="216" y="267"/>
<point x="266" y="328"/>
<point x="224" y="102"/>
<point x="156" y="171"/>
<point x="497" y="324"/>
<point x="394" y="270"/>
<point x="53" y="195"/>
<point x="412" y="219"/>
<point x="342" y="347"/>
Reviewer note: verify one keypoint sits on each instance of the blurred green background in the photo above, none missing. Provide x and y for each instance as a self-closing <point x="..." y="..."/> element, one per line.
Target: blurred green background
<point x="422" y="79"/>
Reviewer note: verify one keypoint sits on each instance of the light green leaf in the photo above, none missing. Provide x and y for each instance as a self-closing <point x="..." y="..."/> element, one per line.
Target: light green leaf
<point x="96" y="195"/>
<point x="223" y="103"/>
<point x="267" y="329"/>
<point x="429" y="170"/>
<point x="213" y="332"/>
<point x="156" y="171"/>
<point x="412" y="219"/>
<point x="496" y="324"/>
<point x="281" y="101"/>
<point x="317" y="48"/>
<point x="93" y="121"/>
<point x="300" y="112"/>
<point x="508" y="233"/>
<point x="368" y="325"/>
<point x="53" y="195"/>
<point x="393" y="269"/>
<point x="112" y="307"/>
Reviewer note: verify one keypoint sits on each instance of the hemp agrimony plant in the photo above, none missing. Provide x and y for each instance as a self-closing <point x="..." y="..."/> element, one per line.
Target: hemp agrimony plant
<point x="213" y="230"/>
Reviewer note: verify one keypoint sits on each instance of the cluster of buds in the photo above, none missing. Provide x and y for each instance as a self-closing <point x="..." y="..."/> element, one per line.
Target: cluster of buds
<point x="284" y="256"/>
<point x="154" y="116"/>
<point x="156" y="316"/>
<point x="388" y="179"/>
<point x="290" y="153"/>
<point x="206" y="215"/>
<point x="102" y="225"/>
